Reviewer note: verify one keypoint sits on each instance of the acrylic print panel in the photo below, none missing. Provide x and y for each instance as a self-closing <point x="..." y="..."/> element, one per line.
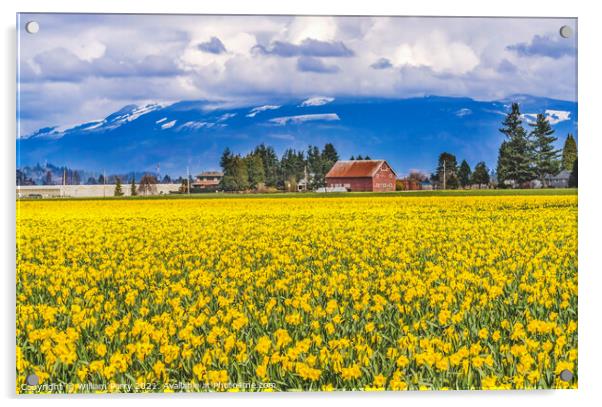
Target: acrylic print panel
<point x="279" y="203"/>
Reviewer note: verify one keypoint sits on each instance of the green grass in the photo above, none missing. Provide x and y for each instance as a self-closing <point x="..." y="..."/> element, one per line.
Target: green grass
<point x="471" y="192"/>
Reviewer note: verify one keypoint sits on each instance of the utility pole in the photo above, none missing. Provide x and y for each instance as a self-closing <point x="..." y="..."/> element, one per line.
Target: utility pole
<point x="104" y="184"/>
<point x="444" y="178"/>
<point x="64" y="181"/>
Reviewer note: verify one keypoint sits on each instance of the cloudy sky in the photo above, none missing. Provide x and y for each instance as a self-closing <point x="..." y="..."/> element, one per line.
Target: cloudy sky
<point x="83" y="67"/>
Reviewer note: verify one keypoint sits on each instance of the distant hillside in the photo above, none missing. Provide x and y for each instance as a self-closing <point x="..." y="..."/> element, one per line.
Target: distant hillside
<point x="409" y="133"/>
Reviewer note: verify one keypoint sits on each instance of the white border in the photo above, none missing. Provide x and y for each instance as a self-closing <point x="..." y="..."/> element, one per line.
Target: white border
<point x="590" y="134"/>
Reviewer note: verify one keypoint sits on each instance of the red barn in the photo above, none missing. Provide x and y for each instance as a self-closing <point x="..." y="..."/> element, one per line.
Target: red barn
<point x="362" y="176"/>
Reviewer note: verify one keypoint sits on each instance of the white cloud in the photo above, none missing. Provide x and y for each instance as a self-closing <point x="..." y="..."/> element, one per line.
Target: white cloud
<point x="440" y="56"/>
<point x="437" y="52"/>
<point x="557" y="116"/>
<point x="553" y="116"/>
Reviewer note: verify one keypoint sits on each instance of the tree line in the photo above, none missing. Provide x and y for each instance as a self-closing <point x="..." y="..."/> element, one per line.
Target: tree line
<point x="262" y="169"/>
<point x="523" y="157"/>
<point x="450" y="175"/>
<point x="528" y="156"/>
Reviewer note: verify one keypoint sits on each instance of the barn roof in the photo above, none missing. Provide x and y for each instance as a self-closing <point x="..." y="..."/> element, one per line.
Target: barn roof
<point x="355" y="168"/>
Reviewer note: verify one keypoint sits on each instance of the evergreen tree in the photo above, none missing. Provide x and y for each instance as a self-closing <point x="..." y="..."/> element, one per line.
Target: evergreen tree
<point x="255" y="170"/>
<point x="452" y="181"/>
<point x="76" y="178"/>
<point x="270" y="164"/>
<point x="101" y="179"/>
<point x="240" y="173"/>
<point x="546" y="156"/>
<point x="47" y="178"/>
<point x="352" y="158"/>
<point x="329" y="153"/>
<point x="118" y="191"/>
<point x="133" y="191"/>
<point x="502" y="164"/>
<point x="292" y="166"/>
<point x="519" y="157"/>
<point x="464" y="173"/>
<point x="569" y="153"/>
<point x="329" y="157"/>
<point x="573" y="178"/>
<point x="359" y="158"/>
<point x="367" y="157"/>
<point x="315" y="167"/>
<point x="480" y="175"/>
<point x="236" y="174"/>
<point x="449" y="165"/>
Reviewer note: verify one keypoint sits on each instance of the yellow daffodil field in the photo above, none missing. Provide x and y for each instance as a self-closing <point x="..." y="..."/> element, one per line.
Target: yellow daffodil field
<point x="312" y="293"/>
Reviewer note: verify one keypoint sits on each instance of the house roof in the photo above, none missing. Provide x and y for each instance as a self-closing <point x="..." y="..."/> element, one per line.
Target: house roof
<point x="211" y="174"/>
<point x="563" y="174"/>
<point x="355" y="168"/>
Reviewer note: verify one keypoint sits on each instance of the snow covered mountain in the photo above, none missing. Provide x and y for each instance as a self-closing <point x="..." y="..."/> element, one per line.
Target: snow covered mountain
<point x="409" y="133"/>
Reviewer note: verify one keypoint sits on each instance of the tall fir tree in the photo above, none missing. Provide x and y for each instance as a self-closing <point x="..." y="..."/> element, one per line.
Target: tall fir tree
<point x="315" y="167"/>
<point x="270" y="163"/>
<point x="118" y="191"/>
<point x="329" y="154"/>
<point x="292" y="167"/>
<point x="329" y="157"/>
<point x="464" y="173"/>
<point x="519" y="159"/>
<point x="133" y="190"/>
<point x="573" y="178"/>
<point x="447" y="167"/>
<point x="502" y="164"/>
<point x="569" y="153"/>
<point x="545" y="155"/>
<point x="480" y="175"/>
<point x="255" y="170"/>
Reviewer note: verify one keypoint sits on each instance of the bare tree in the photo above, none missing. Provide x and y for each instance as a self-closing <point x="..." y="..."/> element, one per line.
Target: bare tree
<point x="148" y="185"/>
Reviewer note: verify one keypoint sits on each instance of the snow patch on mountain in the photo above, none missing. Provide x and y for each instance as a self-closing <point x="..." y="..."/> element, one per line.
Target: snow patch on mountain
<point x="225" y="117"/>
<point x="168" y="125"/>
<point x="195" y="125"/>
<point x="137" y="112"/>
<point x="253" y="112"/>
<point x="316" y="101"/>
<point x="305" y="118"/>
<point x="463" y="112"/>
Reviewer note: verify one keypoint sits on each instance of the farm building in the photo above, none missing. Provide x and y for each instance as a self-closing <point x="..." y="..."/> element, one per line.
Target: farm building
<point x="362" y="176"/>
<point x="560" y="180"/>
<point x="208" y="180"/>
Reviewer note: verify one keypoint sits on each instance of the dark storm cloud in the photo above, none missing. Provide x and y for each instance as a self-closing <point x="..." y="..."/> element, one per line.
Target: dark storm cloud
<point x="308" y="48"/>
<point x="311" y="64"/>
<point x="213" y="46"/>
<point x="547" y="46"/>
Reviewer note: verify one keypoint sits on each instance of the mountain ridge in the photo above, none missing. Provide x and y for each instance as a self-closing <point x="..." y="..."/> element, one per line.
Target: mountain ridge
<point x="409" y="133"/>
